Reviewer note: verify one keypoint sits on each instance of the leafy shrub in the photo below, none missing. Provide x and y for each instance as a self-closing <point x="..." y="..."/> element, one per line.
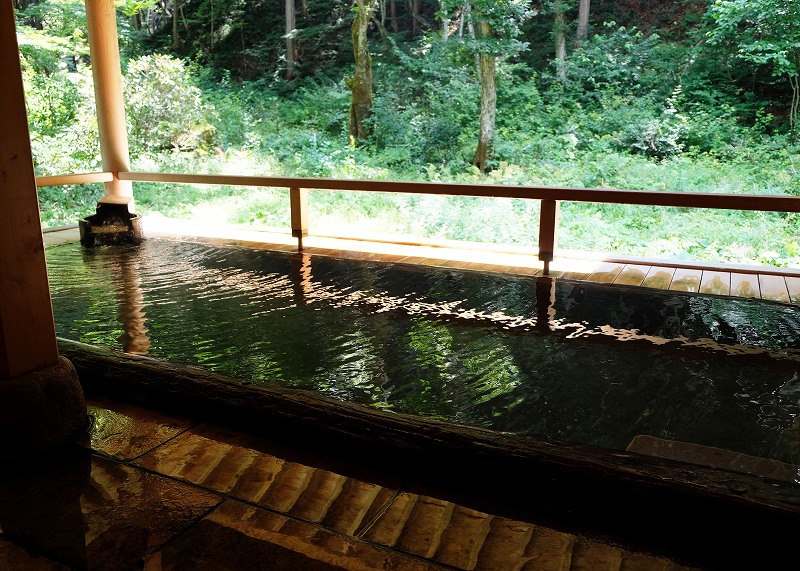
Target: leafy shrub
<point x="620" y="60"/>
<point x="164" y="109"/>
<point x="657" y="137"/>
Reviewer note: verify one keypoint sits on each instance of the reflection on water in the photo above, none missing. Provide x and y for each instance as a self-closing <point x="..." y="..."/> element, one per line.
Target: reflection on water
<point x="574" y="361"/>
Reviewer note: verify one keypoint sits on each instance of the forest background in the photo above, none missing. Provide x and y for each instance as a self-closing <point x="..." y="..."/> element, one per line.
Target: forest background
<point x="679" y="95"/>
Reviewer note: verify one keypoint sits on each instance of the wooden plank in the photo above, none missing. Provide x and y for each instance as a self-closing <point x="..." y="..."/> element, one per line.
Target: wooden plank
<point x="632" y="274"/>
<point x="575" y="269"/>
<point x="793" y="285"/>
<point x="774" y="288"/>
<point x="718" y="283"/>
<point x="605" y="273"/>
<point x="596" y="195"/>
<point x="686" y="280"/>
<point x="659" y="277"/>
<point x="27" y="333"/>
<point x="60" y="180"/>
<point x="745" y="285"/>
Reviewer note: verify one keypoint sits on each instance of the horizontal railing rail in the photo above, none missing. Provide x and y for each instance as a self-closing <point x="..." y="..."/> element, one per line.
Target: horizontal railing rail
<point x="550" y="197"/>
<point x="775" y="203"/>
<point x="66" y="179"/>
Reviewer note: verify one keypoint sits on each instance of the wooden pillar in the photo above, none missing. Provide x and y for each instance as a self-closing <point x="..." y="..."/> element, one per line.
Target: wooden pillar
<point x="298" y="202"/>
<point x="548" y="232"/>
<point x="101" y="20"/>
<point x="41" y="399"/>
<point x="27" y="332"/>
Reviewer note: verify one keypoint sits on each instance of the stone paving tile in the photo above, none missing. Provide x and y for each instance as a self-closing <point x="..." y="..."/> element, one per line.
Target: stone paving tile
<point x="462" y="538"/>
<point x="233" y="464"/>
<point x="92" y="513"/>
<point x="713" y="457"/>
<point x="124" y="431"/>
<point x="240" y="537"/>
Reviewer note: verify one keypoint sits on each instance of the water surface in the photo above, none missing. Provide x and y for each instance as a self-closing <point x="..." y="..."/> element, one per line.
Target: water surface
<point x="574" y="361"/>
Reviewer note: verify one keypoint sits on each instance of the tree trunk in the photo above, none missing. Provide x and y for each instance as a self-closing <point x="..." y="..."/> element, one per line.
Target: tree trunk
<point x="175" y="39"/>
<point x="583" y="21"/>
<point x="414" y="9"/>
<point x="361" y="83"/>
<point x="381" y="25"/>
<point x="560" y="39"/>
<point x="291" y="24"/>
<point x="486" y="74"/>
<point x="212" y="26"/>
<point x="393" y="13"/>
<point x="794" y="81"/>
<point x="463" y="17"/>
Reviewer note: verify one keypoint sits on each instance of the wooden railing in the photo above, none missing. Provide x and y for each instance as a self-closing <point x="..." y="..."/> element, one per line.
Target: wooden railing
<point x="550" y="197"/>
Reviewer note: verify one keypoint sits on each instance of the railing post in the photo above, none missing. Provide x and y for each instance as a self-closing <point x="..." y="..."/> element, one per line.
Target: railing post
<point x="548" y="231"/>
<point x="298" y="203"/>
<point x="101" y="19"/>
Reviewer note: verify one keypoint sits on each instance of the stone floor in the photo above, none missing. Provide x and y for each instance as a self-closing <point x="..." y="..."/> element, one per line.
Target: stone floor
<point x="145" y="490"/>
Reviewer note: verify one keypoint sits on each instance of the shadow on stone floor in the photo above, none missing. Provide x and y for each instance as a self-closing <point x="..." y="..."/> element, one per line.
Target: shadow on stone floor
<point x="151" y="492"/>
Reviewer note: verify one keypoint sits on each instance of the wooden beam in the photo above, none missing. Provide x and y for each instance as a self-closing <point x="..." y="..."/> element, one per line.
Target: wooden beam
<point x="101" y="22"/>
<point x="64" y="179"/>
<point x="27" y="332"/>
<point x="779" y="203"/>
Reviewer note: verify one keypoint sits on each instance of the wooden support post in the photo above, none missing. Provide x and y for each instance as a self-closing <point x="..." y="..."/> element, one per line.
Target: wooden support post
<point x="41" y="399"/>
<point x="548" y="232"/>
<point x="298" y="201"/>
<point x="101" y="20"/>
<point x="27" y="332"/>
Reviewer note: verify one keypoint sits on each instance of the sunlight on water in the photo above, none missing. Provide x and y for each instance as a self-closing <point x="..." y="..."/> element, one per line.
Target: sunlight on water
<point x="574" y="361"/>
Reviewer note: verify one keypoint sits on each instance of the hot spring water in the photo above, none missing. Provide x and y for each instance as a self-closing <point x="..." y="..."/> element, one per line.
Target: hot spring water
<point x="575" y="361"/>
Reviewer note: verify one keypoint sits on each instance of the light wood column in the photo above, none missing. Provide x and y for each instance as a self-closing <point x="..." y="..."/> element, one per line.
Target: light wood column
<point x="104" y="48"/>
<point x="27" y="332"/>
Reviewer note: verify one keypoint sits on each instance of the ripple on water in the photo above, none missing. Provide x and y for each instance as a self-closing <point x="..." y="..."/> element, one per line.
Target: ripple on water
<point x="582" y="362"/>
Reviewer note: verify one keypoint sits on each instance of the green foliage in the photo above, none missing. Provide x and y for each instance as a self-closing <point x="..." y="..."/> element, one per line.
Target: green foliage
<point x="504" y="19"/>
<point x="164" y="108"/>
<point x="59" y="18"/>
<point x="639" y="110"/>
<point x="59" y="95"/>
<point x="765" y="32"/>
<point x="623" y="61"/>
